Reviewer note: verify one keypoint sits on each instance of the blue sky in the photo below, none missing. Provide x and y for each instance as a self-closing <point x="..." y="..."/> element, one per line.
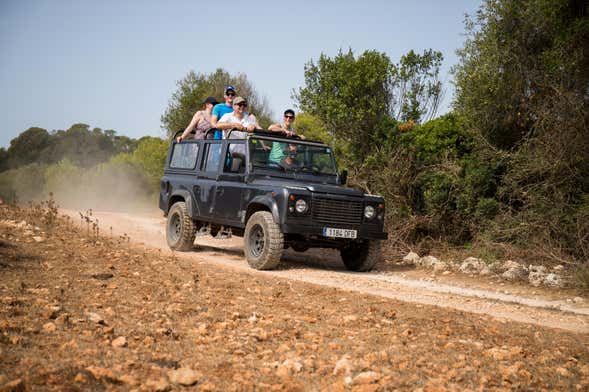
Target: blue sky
<point x="114" y="64"/>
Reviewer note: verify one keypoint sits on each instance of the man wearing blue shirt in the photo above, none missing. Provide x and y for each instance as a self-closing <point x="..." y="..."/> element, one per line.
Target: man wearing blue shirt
<point x="220" y="110"/>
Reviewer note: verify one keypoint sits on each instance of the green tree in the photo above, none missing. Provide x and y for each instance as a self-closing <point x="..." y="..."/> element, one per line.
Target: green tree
<point x="27" y="147"/>
<point x="3" y="159"/>
<point x="523" y="85"/>
<point x="195" y="87"/>
<point x="350" y="95"/>
<point x="417" y="90"/>
<point x="312" y="128"/>
<point x="518" y="56"/>
<point x="359" y="98"/>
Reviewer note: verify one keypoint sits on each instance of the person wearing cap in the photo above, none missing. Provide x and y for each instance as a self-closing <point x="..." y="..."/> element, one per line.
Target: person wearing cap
<point x="276" y="153"/>
<point x="201" y="121"/>
<point x="241" y="121"/>
<point x="220" y="110"/>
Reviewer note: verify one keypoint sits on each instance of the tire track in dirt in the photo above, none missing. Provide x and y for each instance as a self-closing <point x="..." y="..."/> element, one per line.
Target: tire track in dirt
<point x="323" y="267"/>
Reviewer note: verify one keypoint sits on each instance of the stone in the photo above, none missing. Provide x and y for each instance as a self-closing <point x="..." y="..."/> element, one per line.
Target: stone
<point x="51" y="311"/>
<point x="16" y="385"/>
<point x="558" y="268"/>
<point x="80" y="378"/>
<point x="578" y="300"/>
<point x="121" y="341"/>
<point x="184" y="376"/>
<point x="38" y="238"/>
<point x="95" y="318"/>
<point x="427" y="261"/>
<point x="536" y="276"/>
<point x="99" y="373"/>
<point x="411" y="258"/>
<point x="509" y="264"/>
<point x="128" y="379"/>
<point x="343" y="366"/>
<point x="159" y="385"/>
<point x="49" y="327"/>
<point x="350" y="318"/>
<point x="441" y="267"/>
<point x="552" y="280"/>
<point x="366" y="378"/>
<point x="472" y="265"/>
<point x="515" y="271"/>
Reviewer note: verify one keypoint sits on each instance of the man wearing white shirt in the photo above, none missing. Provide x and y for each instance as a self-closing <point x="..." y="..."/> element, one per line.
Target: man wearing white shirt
<point x="239" y="119"/>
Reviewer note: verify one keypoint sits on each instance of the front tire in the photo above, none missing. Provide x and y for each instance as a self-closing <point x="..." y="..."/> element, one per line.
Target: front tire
<point x="362" y="256"/>
<point x="180" y="229"/>
<point x="264" y="242"/>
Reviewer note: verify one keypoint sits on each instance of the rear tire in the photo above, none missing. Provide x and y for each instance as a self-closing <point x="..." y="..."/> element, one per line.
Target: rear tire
<point x="180" y="229"/>
<point x="264" y="242"/>
<point x="361" y="257"/>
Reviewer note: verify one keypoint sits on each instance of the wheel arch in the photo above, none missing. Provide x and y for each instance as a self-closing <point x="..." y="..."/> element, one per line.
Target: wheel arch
<point x="262" y="203"/>
<point x="181" y="195"/>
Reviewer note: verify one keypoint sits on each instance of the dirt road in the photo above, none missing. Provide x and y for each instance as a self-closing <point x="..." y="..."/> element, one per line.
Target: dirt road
<point x="520" y="303"/>
<point x="79" y="311"/>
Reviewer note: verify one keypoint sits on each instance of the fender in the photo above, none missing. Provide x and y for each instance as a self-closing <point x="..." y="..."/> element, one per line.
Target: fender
<point x="187" y="199"/>
<point x="269" y="202"/>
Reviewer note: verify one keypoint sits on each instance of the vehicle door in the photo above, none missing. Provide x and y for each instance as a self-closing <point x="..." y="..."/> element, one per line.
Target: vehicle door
<point x="180" y="173"/>
<point x="204" y="189"/>
<point x="230" y="183"/>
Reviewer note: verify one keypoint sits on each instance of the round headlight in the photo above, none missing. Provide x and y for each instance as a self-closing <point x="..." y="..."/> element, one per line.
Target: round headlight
<point x="301" y="206"/>
<point x="369" y="212"/>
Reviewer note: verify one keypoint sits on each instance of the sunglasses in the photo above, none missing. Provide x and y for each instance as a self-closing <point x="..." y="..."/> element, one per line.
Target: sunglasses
<point x="242" y="105"/>
<point x="230" y="94"/>
<point x="291" y="117"/>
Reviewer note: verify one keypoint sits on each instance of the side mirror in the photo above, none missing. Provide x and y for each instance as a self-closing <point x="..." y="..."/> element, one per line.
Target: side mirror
<point x="343" y="177"/>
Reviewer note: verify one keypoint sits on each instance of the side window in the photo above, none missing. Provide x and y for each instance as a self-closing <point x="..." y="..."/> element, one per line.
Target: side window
<point x="235" y="158"/>
<point x="212" y="157"/>
<point x="184" y="156"/>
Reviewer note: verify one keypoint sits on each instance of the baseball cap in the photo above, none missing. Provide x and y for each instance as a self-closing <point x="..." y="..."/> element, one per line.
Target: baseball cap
<point x="211" y="100"/>
<point x="239" y="100"/>
<point x="229" y="88"/>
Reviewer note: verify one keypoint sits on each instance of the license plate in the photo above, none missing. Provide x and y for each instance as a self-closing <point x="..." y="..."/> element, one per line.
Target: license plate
<point x="339" y="233"/>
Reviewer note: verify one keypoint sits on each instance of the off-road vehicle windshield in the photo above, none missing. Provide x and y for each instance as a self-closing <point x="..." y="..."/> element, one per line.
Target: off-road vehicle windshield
<point x="291" y="155"/>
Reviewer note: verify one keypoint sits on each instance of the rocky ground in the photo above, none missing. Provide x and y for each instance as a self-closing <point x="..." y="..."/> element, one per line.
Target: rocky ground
<point x="83" y="312"/>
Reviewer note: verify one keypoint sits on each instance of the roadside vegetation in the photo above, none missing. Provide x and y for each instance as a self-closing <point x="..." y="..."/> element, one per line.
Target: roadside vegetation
<point x="503" y="175"/>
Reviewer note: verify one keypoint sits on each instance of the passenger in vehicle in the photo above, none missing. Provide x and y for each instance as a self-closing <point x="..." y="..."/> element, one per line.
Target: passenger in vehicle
<point x="290" y="161"/>
<point x="286" y="125"/>
<point x="220" y="110"/>
<point x="276" y="152"/>
<point x="239" y="119"/>
<point x="200" y="123"/>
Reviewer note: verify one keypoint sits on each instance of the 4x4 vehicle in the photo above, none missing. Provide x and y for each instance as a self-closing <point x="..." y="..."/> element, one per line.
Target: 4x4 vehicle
<point x="274" y="191"/>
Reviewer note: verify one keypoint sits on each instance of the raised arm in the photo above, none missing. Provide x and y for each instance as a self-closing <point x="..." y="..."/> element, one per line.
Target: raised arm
<point x="276" y="128"/>
<point x="195" y="119"/>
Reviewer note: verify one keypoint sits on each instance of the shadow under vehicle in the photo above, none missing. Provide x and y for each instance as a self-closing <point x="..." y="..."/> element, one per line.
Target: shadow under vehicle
<point x="276" y="192"/>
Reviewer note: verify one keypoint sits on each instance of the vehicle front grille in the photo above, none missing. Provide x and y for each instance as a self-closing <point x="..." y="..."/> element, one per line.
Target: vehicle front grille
<point x="338" y="213"/>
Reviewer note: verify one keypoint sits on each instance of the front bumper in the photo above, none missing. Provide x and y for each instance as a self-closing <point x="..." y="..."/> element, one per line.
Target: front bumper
<point x="364" y="233"/>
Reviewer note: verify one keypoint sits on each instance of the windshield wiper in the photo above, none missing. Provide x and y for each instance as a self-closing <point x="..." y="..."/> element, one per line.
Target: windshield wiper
<point x="315" y="172"/>
<point x="279" y="168"/>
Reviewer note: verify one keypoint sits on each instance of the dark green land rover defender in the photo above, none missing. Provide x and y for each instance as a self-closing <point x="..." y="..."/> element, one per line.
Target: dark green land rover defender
<point x="274" y="191"/>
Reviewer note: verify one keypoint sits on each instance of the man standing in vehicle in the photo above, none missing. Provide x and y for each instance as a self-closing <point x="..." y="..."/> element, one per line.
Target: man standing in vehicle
<point x="277" y="153"/>
<point x="220" y="110"/>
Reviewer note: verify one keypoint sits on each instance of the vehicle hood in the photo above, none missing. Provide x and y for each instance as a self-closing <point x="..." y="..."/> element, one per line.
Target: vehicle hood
<point x="315" y="188"/>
